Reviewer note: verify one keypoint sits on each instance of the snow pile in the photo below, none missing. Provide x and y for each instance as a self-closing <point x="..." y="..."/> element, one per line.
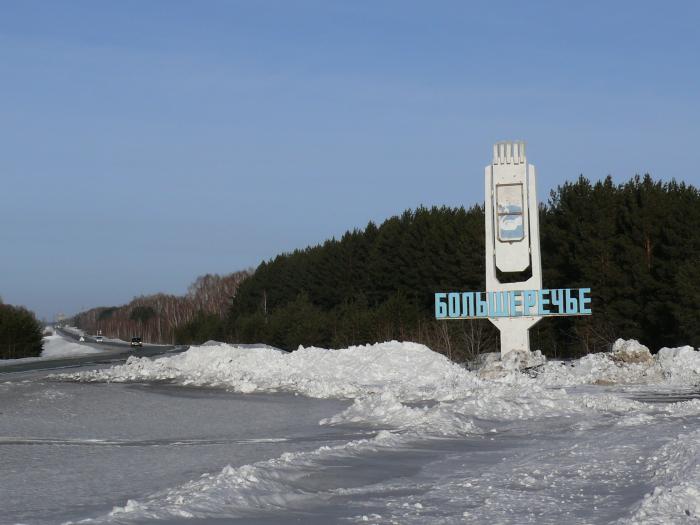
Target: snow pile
<point x="403" y="386"/>
<point x="676" y="497"/>
<point x="406" y="386"/>
<point x="408" y="370"/>
<point x="680" y="365"/>
<point x="630" y="352"/>
<point x="629" y="362"/>
<point x="381" y="375"/>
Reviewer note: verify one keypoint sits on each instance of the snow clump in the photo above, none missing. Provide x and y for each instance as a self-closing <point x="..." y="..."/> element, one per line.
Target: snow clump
<point x="629" y="362"/>
<point x="630" y="351"/>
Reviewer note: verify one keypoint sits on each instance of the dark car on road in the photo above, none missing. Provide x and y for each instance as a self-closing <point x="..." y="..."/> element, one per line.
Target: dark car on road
<point x="136" y="341"/>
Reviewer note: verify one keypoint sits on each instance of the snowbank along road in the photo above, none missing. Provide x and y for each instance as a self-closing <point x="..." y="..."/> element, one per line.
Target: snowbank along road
<point x="386" y="433"/>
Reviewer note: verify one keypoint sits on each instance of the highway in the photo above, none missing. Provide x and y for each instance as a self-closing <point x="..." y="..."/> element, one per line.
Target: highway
<point x="113" y="353"/>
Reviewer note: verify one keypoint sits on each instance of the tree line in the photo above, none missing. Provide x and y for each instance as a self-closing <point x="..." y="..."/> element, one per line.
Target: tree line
<point x="156" y="318"/>
<point x="635" y="244"/>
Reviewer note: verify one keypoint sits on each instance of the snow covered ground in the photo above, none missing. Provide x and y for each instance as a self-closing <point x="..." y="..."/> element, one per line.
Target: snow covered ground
<point x="386" y="433"/>
<point x="55" y="346"/>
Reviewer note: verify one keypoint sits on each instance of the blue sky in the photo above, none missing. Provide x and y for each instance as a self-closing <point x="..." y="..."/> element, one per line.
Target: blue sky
<point x="146" y="143"/>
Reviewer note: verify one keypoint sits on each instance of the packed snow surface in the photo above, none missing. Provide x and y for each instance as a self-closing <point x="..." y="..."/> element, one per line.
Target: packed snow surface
<point x="676" y="474"/>
<point x="585" y="411"/>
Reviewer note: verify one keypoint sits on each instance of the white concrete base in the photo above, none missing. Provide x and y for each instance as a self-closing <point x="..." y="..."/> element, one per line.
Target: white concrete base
<point x="515" y="341"/>
<point x="515" y="333"/>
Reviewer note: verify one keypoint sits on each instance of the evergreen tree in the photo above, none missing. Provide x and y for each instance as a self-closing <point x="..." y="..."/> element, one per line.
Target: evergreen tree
<point x="20" y="333"/>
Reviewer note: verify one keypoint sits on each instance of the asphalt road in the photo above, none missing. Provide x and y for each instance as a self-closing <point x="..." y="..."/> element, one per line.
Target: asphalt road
<point x="113" y="353"/>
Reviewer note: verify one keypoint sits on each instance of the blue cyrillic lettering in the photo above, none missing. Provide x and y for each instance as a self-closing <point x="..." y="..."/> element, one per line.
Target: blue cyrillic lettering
<point x="515" y="301"/>
<point x="440" y="306"/>
<point x="453" y="303"/>
<point x="482" y="307"/>
<point x="542" y="301"/>
<point x="583" y="300"/>
<point x="468" y="304"/>
<point x="571" y="303"/>
<point x="558" y="300"/>
<point x="529" y="301"/>
<point x="500" y="304"/>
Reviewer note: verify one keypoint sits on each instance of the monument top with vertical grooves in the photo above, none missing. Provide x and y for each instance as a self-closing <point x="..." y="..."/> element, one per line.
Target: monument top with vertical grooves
<point x="508" y="152"/>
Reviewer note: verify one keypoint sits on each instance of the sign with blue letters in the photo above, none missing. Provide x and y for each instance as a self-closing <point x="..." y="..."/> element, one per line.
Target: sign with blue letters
<point x="514" y="299"/>
<point x="514" y="303"/>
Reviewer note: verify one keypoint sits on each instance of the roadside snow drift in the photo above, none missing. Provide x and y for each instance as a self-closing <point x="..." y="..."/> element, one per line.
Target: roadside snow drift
<point x="407" y="386"/>
<point x="409" y="371"/>
<point x="409" y="393"/>
<point x="403" y="386"/>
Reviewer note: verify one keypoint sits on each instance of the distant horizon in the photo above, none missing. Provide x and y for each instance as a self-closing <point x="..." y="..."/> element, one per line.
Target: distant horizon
<point x="543" y="196"/>
<point x="148" y="143"/>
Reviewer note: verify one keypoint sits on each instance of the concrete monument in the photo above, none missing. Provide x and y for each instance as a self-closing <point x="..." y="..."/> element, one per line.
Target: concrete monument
<point x="514" y="299"/>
